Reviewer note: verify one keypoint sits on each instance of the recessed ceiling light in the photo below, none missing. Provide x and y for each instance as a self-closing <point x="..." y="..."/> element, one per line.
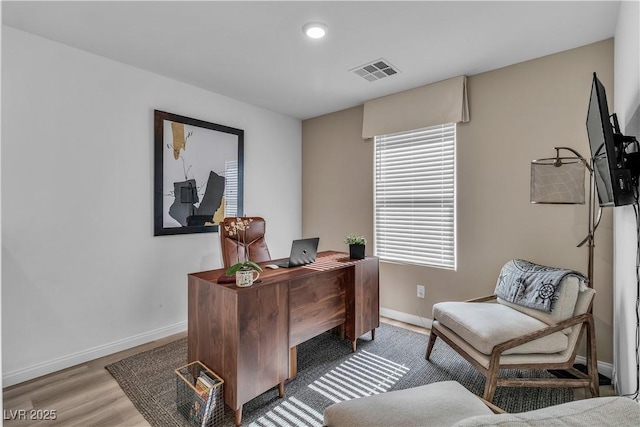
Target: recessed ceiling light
<point x="315" y="30"/>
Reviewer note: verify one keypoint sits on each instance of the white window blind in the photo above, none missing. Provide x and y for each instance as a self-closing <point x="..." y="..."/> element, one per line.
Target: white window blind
<point x="415" y="196"/>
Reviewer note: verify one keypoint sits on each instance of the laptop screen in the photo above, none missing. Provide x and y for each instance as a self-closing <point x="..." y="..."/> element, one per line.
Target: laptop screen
<point x="303" y="251"/>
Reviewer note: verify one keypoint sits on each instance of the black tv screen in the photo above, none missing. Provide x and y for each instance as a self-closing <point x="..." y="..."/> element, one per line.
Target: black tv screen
<point x="613" y="181"/>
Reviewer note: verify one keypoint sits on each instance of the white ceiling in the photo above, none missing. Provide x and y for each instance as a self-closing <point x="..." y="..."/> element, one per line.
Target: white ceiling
<point x="255" y="51"/>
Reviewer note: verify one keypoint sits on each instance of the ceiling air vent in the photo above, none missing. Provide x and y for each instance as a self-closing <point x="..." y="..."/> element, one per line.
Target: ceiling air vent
<point x="375" y="70"/>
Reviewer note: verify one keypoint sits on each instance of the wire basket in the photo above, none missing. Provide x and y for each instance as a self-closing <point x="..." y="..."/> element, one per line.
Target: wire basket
<point x="199" y="395"/>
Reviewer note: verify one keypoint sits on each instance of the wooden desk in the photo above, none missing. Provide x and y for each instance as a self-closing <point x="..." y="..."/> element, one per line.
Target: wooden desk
<point x="248" y="335"/>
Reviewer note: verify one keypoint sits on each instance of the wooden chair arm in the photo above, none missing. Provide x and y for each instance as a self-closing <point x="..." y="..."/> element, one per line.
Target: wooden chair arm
<point x="506" y="345"/>
<point x="495" y="409"/>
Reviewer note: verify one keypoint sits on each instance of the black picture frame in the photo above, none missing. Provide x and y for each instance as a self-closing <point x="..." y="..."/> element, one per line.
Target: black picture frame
<point x="198" y="174"/>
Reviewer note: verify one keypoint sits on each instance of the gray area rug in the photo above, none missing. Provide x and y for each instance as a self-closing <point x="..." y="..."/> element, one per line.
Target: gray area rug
<point x="327" y="372"/>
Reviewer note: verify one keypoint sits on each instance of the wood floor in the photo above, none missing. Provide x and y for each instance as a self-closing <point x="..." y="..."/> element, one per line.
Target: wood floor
<point x="83" y="395"/>
<point x="87" y="395"/>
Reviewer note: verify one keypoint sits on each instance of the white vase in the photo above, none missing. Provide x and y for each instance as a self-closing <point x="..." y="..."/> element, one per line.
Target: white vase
<point x="245" y="277"/>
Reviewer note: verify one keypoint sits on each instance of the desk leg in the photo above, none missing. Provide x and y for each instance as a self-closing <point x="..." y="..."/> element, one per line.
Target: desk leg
<point x="238" y="416"/>
<point x="353" y="343"/>
<point x="281" y="390"/>
<point x="293" y="363"/>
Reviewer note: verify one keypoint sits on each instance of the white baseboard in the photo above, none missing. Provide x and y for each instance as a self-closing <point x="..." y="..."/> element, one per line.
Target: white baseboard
<point x="412" y="319"/>
<point x="47" y="367"/>
<point x="605" y="369"/>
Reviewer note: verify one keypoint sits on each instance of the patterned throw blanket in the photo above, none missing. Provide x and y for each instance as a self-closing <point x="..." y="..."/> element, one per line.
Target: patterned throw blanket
<point x="531" y="285"/>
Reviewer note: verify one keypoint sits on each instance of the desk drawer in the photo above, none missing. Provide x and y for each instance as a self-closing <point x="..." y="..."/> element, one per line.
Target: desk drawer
<point x="317" y="304"/>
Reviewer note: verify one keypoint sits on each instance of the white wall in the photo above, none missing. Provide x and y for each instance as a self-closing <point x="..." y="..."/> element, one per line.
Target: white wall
<point x="626" y="104"/>
<point x="82" y="274"/>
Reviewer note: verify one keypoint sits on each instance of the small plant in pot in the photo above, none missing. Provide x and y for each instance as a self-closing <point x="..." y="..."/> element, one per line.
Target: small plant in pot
<point x="356" y="246"/>
<point x="246" y="271"/>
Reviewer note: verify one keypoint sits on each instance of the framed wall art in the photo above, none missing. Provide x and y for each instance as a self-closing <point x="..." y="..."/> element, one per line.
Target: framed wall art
<point x="198" y="174"/>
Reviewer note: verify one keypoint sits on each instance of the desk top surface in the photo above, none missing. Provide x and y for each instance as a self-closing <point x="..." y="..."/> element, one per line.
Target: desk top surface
<point x="325" y="261"/>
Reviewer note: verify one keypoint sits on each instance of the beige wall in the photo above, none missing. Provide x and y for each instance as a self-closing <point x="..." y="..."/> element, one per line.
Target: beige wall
<point x="337" y="179"/>
<point x="518" y="113"/>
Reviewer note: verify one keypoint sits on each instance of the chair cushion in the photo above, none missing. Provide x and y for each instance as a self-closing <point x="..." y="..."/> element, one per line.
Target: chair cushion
<point x="436" y="404"/>
<point x="484" y="325"/>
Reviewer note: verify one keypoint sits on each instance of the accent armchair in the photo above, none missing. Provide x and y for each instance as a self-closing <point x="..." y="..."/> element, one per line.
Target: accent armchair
<point x="234" y="244"/>
<point x="503" y="331"/>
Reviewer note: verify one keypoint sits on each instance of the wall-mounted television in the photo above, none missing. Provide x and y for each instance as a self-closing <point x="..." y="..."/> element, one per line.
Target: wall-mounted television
<point x="615" y="169"/>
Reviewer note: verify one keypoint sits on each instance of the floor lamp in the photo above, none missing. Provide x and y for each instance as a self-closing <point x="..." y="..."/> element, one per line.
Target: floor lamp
<point x="560" y="180"/>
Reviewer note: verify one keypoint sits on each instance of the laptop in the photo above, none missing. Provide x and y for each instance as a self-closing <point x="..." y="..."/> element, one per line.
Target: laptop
<point x="303" y="252"/>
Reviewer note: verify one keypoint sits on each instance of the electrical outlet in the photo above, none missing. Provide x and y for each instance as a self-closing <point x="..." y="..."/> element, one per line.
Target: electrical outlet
<point x="420" y="291"/>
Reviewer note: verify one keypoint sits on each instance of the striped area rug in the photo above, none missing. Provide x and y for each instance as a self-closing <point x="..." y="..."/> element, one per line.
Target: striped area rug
<point x="328" y="372"/>
<point x="360" y="375"/>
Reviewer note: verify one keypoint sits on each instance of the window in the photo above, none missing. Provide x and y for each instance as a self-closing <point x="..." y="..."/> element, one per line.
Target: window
<point x="415" y="196"/>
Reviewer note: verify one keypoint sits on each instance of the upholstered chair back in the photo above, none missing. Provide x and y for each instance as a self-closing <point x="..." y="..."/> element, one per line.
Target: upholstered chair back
<point x="234" y="242"/>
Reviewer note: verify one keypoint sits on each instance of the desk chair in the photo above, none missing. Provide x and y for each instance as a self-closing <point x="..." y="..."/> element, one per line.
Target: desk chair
<point x="232" y="247"/>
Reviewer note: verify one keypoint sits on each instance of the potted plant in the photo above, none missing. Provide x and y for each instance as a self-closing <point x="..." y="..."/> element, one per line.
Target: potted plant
<point x="246" y="271"/>
<point x="356" y="246"/>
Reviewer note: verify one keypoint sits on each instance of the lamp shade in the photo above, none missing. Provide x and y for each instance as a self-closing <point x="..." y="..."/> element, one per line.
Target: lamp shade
<point x="558" y="181"/>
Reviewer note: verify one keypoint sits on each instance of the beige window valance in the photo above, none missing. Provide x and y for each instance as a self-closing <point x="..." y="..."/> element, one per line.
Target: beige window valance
<point x="433" y="104"/>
